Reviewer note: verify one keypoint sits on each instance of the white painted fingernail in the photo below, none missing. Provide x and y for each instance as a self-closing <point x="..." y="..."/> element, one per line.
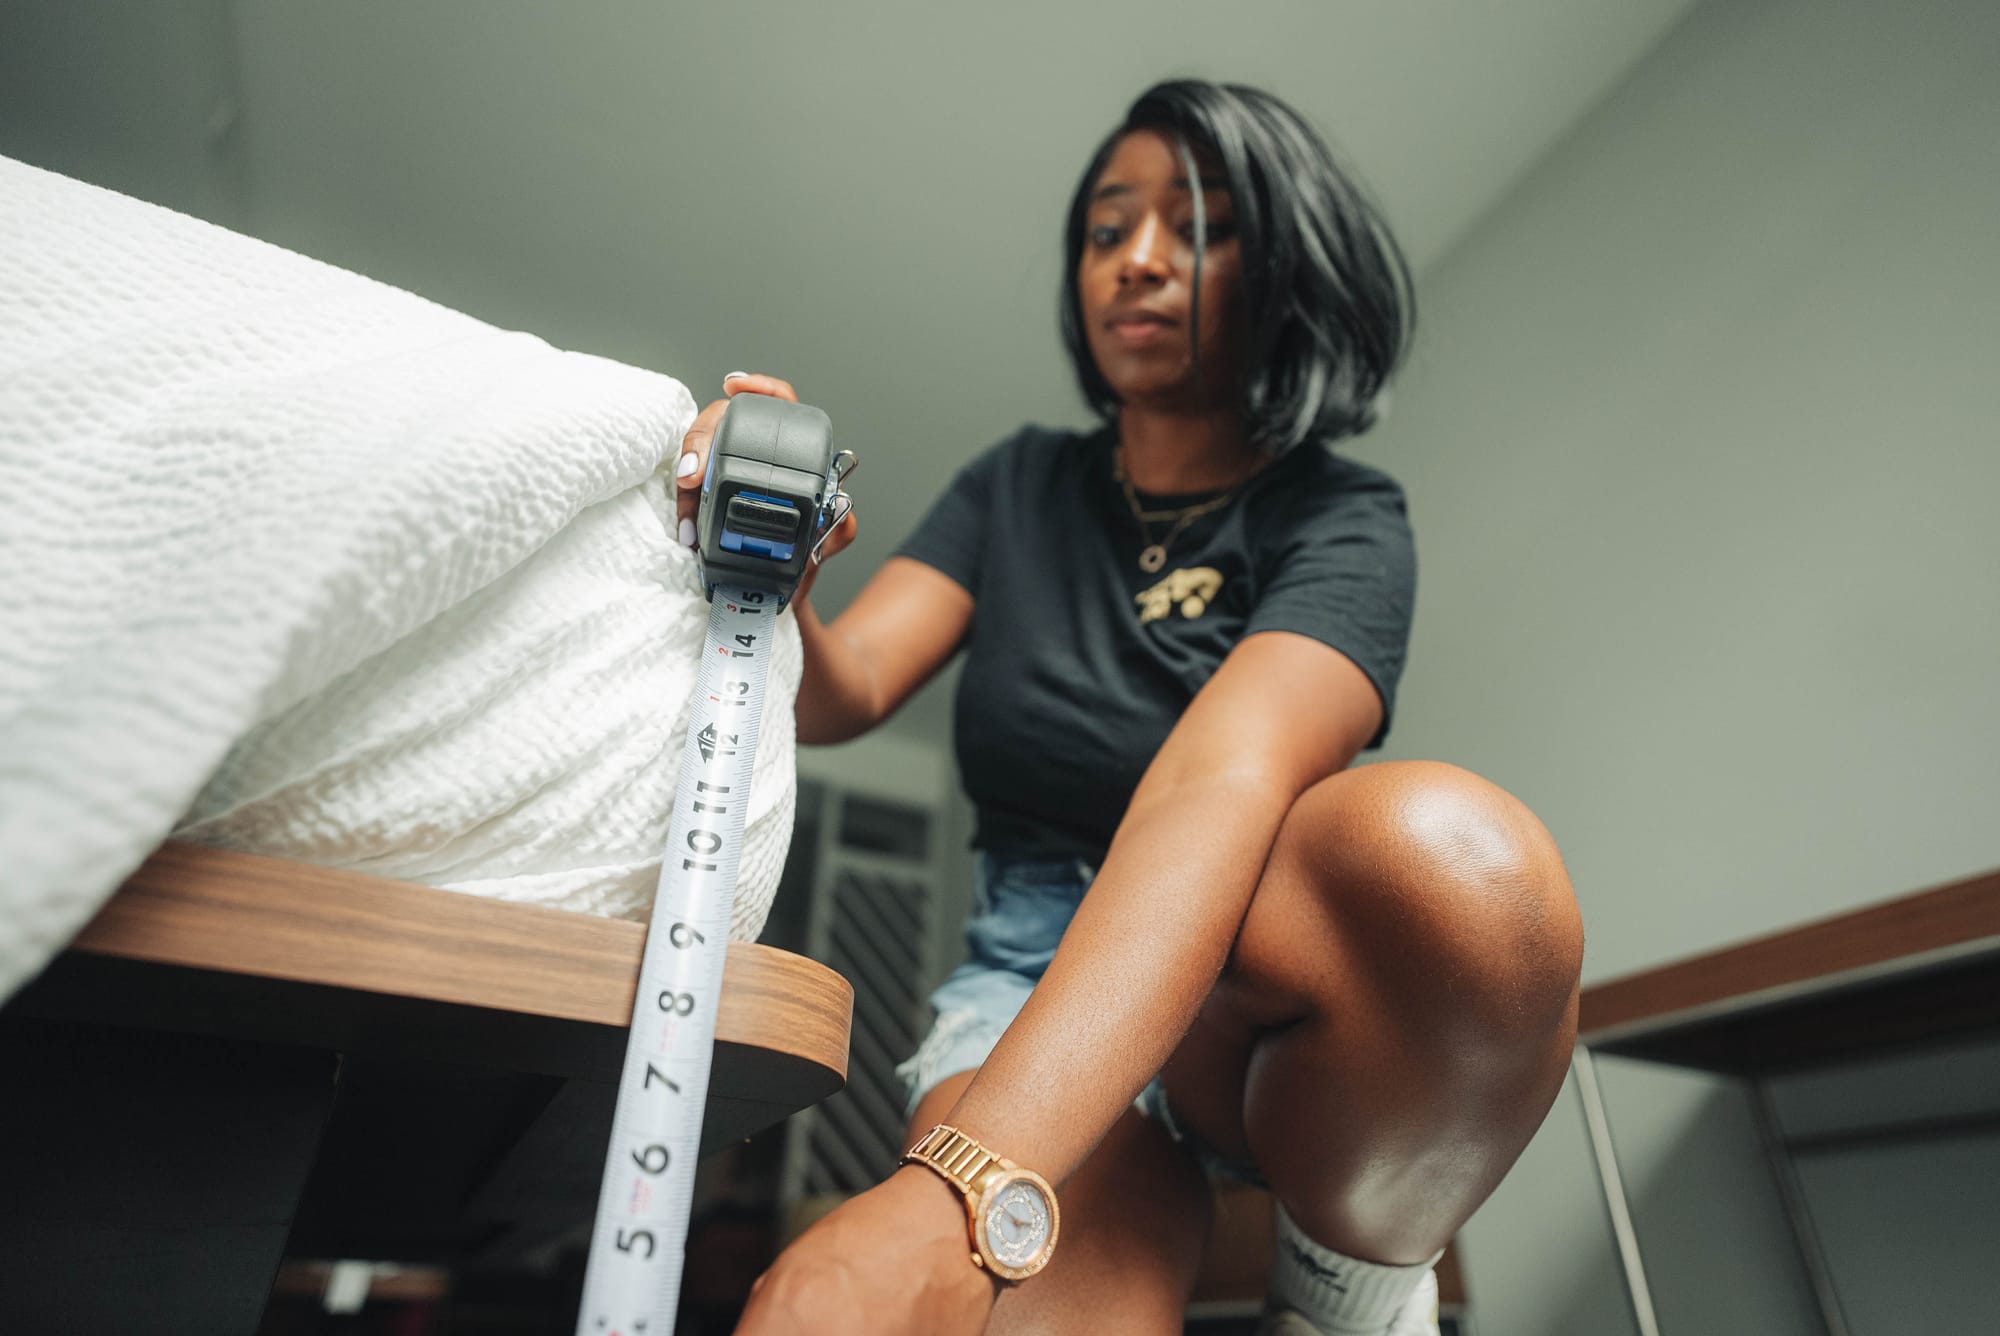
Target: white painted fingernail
<point x="687" y="533"/>
<point x="689" y="463"/>
<point x="734" y="375"/>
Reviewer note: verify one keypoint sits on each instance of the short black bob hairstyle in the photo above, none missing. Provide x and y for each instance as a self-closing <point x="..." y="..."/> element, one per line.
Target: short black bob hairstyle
<point x="1328" y="302"/>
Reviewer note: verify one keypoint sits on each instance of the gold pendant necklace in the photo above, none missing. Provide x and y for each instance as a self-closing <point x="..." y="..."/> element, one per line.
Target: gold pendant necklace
<point x="1153" y="555"/>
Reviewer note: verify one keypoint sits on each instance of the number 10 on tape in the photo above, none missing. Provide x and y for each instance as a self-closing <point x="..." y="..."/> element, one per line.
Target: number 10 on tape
<point x="632" y="1281"/>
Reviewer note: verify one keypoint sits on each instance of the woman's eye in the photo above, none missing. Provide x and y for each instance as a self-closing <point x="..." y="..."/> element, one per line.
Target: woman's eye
<point x="1104" y="235"/>
<point x="1217" y="233"/>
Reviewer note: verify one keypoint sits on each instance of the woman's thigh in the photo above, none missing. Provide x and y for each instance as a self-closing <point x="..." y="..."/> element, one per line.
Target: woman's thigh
<point x="1134" y="1222"/>
<point x="1397" y="1012"/>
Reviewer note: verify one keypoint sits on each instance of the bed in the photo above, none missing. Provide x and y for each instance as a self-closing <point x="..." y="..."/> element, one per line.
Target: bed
<point x="344" y="653"/>
<point x="238" y="1051"/>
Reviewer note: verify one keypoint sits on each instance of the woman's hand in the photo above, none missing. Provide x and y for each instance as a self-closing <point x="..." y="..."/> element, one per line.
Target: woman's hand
<point x="894" y="1261"/>
<point x="694" y="465"/>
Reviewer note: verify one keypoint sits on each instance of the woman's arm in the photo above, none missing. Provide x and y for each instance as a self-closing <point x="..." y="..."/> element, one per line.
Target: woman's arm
<point x="903" y="626"/>
<point x="900" y="629"/>
<point x="1156" y="926"/>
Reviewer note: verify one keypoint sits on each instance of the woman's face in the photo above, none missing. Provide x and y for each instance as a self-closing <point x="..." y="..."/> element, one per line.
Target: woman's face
<point x="1136" y="275"/>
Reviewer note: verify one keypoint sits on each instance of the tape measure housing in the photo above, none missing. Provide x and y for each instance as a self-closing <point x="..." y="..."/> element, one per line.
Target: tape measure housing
<point x="767" y="494"/>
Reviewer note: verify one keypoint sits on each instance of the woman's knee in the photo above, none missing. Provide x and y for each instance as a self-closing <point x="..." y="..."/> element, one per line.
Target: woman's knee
<point x="1440" y="886"/>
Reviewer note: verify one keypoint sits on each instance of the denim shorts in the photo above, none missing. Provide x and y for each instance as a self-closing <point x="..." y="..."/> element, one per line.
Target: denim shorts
<point x="1020" y="909"/>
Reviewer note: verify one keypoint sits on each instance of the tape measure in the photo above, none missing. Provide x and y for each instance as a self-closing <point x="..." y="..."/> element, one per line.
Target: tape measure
<point x="771" y="496"/>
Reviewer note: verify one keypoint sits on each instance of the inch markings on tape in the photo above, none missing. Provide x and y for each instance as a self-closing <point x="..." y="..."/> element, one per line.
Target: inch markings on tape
<point x="771" y="496"/>
<point x="638" y="1245"/>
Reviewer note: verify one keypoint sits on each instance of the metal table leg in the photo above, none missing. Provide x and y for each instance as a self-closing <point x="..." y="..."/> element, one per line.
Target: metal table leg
<point x="1598" y="1126"/>
<point x="1771" y="1134"/>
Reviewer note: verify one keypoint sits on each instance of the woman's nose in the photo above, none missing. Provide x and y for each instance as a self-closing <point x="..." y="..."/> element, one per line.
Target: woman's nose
<point x="1147" y="258"/>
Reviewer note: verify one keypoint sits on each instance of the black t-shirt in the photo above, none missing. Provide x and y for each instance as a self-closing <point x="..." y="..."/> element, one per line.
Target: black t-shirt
<point x="1079" y="663"/>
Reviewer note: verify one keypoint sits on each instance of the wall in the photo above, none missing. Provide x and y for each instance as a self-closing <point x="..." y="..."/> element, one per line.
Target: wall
<point x="1701" y="453"/>
<point x="138" y="96"/>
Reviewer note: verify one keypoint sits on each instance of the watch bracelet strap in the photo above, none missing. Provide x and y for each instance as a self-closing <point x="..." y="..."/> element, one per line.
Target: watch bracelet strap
<point x="954" y="1155"/>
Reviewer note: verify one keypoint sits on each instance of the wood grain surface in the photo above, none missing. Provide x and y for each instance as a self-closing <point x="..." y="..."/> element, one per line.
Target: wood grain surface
<point x="1960" y="915"/>
<point x="246" y="914"/>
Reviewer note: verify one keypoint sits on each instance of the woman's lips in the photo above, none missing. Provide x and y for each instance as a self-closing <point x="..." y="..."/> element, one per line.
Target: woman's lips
<point x="1137" y="330"/>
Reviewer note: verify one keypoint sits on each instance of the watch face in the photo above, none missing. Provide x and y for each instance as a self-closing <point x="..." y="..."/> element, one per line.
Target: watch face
<point x="1018" y="1226"/>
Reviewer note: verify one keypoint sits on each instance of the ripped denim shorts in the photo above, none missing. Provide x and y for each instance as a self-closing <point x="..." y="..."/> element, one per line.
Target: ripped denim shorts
<point x="1020" y="909"/>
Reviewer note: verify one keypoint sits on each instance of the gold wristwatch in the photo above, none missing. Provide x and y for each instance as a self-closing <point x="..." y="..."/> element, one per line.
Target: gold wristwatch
<point x="1010" y="1211"/>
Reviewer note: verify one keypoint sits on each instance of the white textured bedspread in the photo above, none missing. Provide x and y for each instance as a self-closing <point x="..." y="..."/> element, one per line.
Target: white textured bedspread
<point x="298" y="563"/>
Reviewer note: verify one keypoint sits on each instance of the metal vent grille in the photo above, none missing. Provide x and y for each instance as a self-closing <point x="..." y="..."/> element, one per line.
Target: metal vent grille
<point x="876" y="931"/>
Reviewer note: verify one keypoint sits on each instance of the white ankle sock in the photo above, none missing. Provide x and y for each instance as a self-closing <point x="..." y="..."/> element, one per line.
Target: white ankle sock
<point x="1341" y="1295"/>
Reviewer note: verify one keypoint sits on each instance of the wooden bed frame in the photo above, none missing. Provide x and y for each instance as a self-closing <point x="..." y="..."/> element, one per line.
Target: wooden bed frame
<point x="241" y="1050"/>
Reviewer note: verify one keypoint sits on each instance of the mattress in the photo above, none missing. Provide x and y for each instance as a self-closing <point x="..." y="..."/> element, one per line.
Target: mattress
<point x="296" y="562"/>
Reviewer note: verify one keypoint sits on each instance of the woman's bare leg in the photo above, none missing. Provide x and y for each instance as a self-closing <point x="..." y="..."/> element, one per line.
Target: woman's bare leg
<point x="1394" y="1021"/>
<point x="1398" y="1011"/>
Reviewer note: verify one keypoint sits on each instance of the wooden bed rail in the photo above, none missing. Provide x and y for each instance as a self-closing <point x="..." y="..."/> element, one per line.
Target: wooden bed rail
<point x="243" y="1058"/>
<point x="248" y="915"/>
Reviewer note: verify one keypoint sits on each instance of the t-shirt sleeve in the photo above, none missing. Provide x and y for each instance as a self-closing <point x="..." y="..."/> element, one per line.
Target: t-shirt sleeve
<point x="952" y="536"/>
<point x="1346" y="575"/>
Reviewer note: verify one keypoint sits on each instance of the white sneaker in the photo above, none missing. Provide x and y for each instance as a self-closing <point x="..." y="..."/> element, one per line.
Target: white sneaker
<point x="1417" y="1317"/>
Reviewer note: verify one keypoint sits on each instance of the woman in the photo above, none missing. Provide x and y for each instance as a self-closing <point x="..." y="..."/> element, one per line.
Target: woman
<point x="1358" y="985"/>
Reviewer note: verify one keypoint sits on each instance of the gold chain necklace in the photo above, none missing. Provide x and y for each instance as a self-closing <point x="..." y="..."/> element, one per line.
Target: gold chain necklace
<point x="1154" y="555"/>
